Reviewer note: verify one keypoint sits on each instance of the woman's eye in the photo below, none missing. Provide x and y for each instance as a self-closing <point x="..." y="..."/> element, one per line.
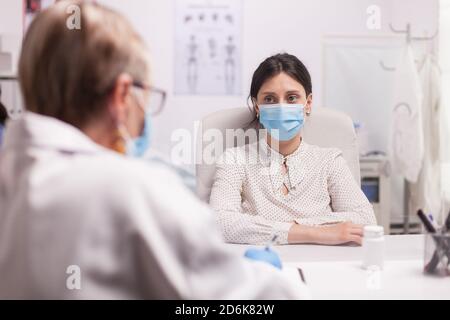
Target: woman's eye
<point x="269" y="100"/>
<point x="292" y="99"/>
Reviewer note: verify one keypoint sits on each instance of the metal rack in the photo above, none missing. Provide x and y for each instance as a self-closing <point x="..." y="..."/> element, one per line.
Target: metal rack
<point x="409" y="39"/>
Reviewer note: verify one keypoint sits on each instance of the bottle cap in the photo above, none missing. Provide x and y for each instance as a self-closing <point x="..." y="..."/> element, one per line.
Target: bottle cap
<point x="373" y="231"/>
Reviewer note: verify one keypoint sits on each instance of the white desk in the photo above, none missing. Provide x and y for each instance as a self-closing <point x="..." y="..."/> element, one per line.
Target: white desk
<point x="336" y="273"/>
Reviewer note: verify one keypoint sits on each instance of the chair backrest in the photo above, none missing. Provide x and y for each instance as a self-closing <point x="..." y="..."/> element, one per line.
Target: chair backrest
<point x="325" y="128"/>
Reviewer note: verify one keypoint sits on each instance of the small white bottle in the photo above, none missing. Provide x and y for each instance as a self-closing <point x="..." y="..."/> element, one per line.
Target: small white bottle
<point x="373" y="247"/>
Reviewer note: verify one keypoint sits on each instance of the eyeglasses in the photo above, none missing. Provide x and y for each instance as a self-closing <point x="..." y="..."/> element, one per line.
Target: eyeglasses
<point x="157" y="97"/>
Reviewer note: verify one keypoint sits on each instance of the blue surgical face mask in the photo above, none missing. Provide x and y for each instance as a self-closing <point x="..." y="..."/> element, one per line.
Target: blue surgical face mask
<point x="282" y="121"/>
<point x="137" y="147"/>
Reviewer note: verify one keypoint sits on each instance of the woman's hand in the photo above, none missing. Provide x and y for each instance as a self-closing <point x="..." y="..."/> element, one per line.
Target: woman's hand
<point x="339" y="233"/>
<point x="333" y="234"/>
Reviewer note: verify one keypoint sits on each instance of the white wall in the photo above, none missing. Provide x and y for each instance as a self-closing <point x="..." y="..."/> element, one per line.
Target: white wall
<point x="269" y="26"/>
<point x="11" y="28"/>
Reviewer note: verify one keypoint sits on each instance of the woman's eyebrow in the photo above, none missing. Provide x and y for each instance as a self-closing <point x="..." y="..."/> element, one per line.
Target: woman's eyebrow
<point x="269" y="93"/>
<point x="287" y="92"/>
<point x="294" y="91"/>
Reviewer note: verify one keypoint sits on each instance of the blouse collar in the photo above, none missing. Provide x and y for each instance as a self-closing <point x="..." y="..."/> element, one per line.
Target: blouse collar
<point x="273" y="160"/>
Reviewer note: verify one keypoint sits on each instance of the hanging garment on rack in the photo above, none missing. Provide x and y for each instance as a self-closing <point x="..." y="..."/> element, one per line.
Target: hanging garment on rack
<point x="427" y="192"/>
<point x="406" y="139"/>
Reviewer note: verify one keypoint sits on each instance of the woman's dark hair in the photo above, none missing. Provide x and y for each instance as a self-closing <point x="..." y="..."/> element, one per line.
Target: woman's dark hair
<point x="277" y="64"/>
<point x="3" y="114"/>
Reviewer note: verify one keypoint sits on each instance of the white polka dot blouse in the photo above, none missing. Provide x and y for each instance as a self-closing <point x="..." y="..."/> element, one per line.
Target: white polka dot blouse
<point x="258" y="193"/>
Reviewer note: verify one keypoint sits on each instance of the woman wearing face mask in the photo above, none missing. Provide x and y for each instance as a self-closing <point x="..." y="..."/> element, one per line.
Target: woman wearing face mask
<point x="79" y="216"/>
<point x="299" y="192"/>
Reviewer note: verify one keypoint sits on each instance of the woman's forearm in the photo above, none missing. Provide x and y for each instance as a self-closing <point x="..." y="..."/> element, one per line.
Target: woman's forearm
<point x="299" y="234"/>
<point x="334" y="234"/>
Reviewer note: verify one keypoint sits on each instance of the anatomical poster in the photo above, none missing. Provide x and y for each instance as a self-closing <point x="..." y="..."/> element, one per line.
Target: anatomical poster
<point x="208" y="47"/>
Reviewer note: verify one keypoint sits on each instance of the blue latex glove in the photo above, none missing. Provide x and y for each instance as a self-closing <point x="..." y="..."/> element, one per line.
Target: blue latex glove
<point x="265" y="255"/>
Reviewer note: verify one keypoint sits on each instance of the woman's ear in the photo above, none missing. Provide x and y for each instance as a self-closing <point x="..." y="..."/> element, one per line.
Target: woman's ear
<point x="118" y="105"/>
<point x="255" y="107"/>
<point x="308" y="105"/>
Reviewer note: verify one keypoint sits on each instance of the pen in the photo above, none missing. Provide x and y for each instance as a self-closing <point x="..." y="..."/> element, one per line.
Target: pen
<point x="302" y="276"/>
<point x="431" y="266"/>
<point x="271" y="242"/>
<point x="445" y="230"/>
<point x="433" y="222"/>
<point x="426" y="222"/>
<point x="447" y="224"/>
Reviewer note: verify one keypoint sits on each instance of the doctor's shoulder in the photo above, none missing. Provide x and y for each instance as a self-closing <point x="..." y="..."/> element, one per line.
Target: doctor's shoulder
<point x="126" y="173"/>
<point x="133" y="185"/>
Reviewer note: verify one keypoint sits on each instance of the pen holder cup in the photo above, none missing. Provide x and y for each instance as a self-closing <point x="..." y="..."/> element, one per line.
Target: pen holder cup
<point x="437" y="254"/>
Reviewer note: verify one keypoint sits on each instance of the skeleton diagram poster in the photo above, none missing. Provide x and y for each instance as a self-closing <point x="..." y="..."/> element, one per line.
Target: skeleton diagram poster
<point x="208" y="47"/>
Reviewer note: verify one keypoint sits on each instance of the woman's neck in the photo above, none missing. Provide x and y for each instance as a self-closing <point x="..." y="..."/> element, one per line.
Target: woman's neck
<point x="284" y="148"/>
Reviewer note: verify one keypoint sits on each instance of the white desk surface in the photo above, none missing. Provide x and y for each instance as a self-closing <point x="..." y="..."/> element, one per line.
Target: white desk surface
<point x="336" y="273"/>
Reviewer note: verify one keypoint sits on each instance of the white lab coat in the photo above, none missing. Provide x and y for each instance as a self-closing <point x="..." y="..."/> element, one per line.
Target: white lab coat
<point x="406" y="141"/>
<point x="426" y="194"/>
<point x="131" y="228"/>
